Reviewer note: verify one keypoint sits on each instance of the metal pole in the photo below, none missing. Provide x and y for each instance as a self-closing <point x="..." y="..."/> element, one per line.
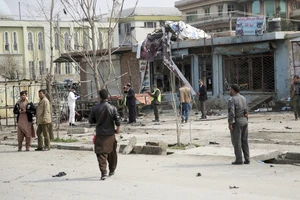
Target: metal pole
<point x="14" y="102"/>
<point x="6" y="112"/>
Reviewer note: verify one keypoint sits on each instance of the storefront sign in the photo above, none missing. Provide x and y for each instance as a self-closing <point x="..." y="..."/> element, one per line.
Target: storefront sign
<point x="250" y="26"/>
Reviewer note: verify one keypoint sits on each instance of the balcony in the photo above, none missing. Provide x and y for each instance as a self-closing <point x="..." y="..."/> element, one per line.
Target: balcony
<point x="295" y="14"/>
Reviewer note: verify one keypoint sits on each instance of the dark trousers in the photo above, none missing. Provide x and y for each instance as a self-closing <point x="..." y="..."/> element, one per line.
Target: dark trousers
<point x="296" y="105"/>
<point x="131" y="110"/>
<point x="239" y="139"/>
<point x="111" y="158"/>
<point x="155" y="109"/>
<point x="202" y="108"/>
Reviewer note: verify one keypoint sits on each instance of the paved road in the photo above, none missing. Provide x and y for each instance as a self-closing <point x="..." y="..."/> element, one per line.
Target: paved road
<point x="28" y="175"/>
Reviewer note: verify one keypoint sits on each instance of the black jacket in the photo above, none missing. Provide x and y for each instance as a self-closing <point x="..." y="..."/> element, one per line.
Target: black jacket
<point x="203" y="93"/>
<point x="130" y="98"/>
<point x="105" y="116"/>
<point x="30" y="111"/>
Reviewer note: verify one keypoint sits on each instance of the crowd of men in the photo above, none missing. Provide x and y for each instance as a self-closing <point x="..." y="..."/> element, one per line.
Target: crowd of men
<point x="107" y="119"/>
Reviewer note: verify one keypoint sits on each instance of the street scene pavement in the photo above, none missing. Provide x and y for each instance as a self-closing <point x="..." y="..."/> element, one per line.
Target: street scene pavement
<point x="203" y="170"/>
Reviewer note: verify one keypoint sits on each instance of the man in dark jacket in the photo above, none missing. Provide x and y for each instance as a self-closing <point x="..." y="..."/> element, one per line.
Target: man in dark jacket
<point x="202" y="98"/>
<point x="24" y="111"/>
<point x="106" y="117"/>
<point x="130" y="102"/>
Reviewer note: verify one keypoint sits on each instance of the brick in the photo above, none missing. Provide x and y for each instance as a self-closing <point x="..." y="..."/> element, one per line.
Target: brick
<point x="130" y="146"/>
<point x="153" y="150"/>
<point x="292" y="156"/>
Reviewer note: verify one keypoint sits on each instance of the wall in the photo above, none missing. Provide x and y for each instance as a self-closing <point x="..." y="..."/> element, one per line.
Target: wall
<point x="130" y="64"/>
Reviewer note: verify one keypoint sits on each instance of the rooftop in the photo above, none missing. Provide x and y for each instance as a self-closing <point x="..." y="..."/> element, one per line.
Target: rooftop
<point x="151" y="11"/>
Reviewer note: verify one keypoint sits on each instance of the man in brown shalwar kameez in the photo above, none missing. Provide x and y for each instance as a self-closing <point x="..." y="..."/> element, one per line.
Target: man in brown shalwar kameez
<point x="106" y="117"/>
<point x="24" y="111"/>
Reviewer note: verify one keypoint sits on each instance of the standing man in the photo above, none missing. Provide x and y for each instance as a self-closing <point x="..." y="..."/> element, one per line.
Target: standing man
<point x="130" y="102"/>
<point x="72" y="103"/>
<point x="155" y="101"/>
<point x="24" y="111"/>
<point x="123" y="104"/>
<point x="295" y="96"/>
<point x="202" y="98"/>
<point x="43" y="120"/>
<point x="106" y="117"/>
<point x="238" y="125"/>
<point x="185" y="102"/>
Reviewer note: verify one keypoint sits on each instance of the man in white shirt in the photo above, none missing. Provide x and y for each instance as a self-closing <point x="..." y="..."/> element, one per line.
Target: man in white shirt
<point x="71" y="103"/>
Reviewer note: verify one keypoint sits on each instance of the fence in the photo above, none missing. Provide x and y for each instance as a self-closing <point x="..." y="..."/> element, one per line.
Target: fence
<point x="251" y="72"/>
<point x="10" y="94"/>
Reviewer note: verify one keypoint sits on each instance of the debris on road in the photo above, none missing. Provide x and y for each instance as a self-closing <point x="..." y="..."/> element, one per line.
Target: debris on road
<point x="60" y="174"/>
<point x="233" y="187"/>
<point x="198" y="174"/>
<point x="213" y="143"/>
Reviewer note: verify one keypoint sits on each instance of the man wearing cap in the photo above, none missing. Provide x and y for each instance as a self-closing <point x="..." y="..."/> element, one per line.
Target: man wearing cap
<point x="107" y="120"/>
<point x="238" y="125"/>
<point x="155" y="101"/>
<point x="71" y="103"/>
<point x="295" y="96"/>
<point x="130" y="102"/>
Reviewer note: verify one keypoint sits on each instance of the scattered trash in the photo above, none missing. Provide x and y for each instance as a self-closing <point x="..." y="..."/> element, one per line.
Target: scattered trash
<point x="287" y="127"/>
<point x="233" y="187"/>
<point x="263" y="109"/>
<point x="146" y="132"/>
<point x="5" y="138"/>
<point x="271" y="165"/>
<point x="121" y="136"/>
<point x="60" y="174"/>
<point x="198" y="174"/>
<point x="143" y="124"/>
<point x="213" y="143"/>
<point x="280" y="122"/>
<point x="261" y="162"/>
<point x="269" y="119"/>
<point x="285" y="108"/>
<point x="157" y="123"/>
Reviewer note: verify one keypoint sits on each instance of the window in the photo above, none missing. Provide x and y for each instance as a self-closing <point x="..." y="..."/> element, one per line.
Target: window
<point x="41" y="68"/>
<point x="230" y="8"/>
<point x="207" y="11"/>
<point x="127" y="27"/>
<point x="30" y="42"/>
<point x="191" y="16"/>
<point x="76" y="42"/>
<point x="58" y="68"/>
<point x="56" y="41"/>
<point x="296" y="5"/>
<point x="150" y="24"/>
<point x="256" y="7"/>
<point x="68" y="68"/>
<point x="77" y="68"/>
<point x="85" y="40"/>
<point x="67" y="41"/>
<point x="40" y="41"/>
<point x="31" y="70"/>
<point x="220" y="10"/>
<point x="6" y="42"/>
<point x="101" y="40"/>
<point x="270" y="8"/>
<point x="282" y="6"/>
<point x="15" y="41"/>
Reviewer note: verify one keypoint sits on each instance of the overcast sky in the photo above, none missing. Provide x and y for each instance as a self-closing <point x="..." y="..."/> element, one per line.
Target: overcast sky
<point x="30" y="8"/>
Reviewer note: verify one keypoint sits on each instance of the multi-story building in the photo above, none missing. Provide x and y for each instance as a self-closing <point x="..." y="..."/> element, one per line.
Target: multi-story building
<point x="27" y="44"/>
<point x="219" y="15"/>
<point x="137" y="22"/>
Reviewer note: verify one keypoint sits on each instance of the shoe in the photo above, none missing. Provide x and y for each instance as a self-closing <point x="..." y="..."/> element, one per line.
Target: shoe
<point x="46" y="149"/>
<point x="27" y="149"/>
<point x="237" y="163"/>
<point x="247" y="162"/>
<point x="125" y="120"/>
<point x="111" y="173"/>
<point x="182" y="120"/>
<point x="73" y="125"/>
<point x="19" y="149"/>
<point x="186" y="121"/>
<point x="155" y="120"/>
<point x="103" y="177"/>
<point x="39" y="149"/>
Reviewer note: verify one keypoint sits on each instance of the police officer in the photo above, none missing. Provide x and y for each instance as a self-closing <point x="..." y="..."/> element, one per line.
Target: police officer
<point x="155" y="101"/>
<point x="238" y="125"/>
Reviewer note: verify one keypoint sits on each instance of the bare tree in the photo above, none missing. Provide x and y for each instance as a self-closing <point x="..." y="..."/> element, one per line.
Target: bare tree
<point x="9" y="67"/>
<point x="84" y="14"/>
